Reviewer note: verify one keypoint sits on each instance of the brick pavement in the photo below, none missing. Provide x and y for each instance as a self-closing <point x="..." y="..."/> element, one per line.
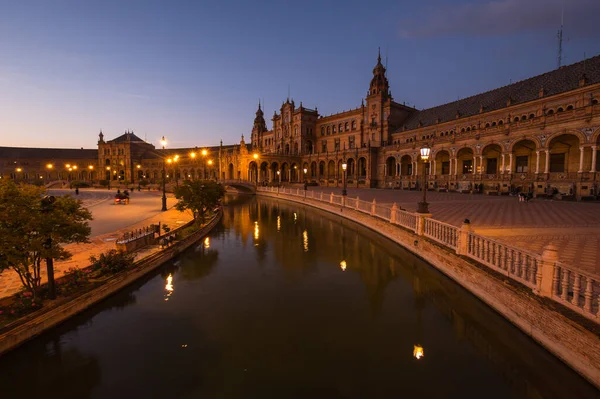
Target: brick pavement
<point x="9" y="280"/>
<point x="574" y="227"/>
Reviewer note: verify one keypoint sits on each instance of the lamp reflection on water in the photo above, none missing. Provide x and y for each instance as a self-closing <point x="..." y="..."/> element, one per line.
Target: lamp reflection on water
<point x="305" y="240"/>
<point x="343" y="265"/>
<point x="256" y="231"/>
<point x="278" y="223"/>
<point x="207" y="242"/>
<point x="169" y="287"/>
<point x="418" y="352"/>
<point x="295" y="217"/>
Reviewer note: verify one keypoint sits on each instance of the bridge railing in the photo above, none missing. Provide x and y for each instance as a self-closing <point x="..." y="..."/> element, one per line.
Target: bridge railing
<point x="578" y="290"/>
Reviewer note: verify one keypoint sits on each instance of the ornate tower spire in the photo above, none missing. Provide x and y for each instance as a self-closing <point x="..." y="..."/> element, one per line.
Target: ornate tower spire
<point x="379" y="83"/>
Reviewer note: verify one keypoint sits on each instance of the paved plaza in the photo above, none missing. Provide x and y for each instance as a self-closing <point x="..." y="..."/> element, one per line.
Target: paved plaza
<point x="110" y="222"/>
<point x="574" y="227"/>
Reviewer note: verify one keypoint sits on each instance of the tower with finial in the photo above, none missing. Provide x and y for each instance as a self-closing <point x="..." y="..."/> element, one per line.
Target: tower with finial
<point x="259" y="128"/>
<point x="378" y="103"/>
<point x="101" y="137"/>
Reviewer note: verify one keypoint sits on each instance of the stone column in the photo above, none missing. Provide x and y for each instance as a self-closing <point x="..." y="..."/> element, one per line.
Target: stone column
<point x="502" y="163"/>
<point x="450" y="171"/>
<point x="455" y="166"/>
<point x="594" y="150"/>
<point x="547" y="166"/>
<point x="434" y="167"/>
<point x="537" y="162"/>
<point x="545" y="273"/>
<point x="474" y="164"/>
<point x="581" y="152"/>
<point x="463" y="238"/>
<point x="481" y="164"/>
<point x="415" y="170"/>
<point x="510" y="163"/>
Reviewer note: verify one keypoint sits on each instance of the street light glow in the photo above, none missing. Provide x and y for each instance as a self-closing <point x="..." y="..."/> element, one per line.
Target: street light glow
<point x="210" y="162"/>
<point x="204" y="153"/>
<point x="344" y="166"/>
<point x="163" y="142"/>
<point x="255" y="156"/>
<point x="425" y="151"/>
<point x="418" y="352"/>
<point x="49" y="166"/>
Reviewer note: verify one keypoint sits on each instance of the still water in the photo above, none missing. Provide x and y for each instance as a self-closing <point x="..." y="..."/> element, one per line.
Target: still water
<point x="283" y="301"/>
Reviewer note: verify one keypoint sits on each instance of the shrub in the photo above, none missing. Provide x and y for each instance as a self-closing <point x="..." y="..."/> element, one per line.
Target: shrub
<point x="112" y="261"/>
<point x="24" y="304"/>
<point x="75" y="278"/>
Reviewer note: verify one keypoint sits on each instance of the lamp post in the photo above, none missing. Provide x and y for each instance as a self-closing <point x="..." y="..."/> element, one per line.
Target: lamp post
<point x="108" y="170"/>
<point x="163" y="143"/>
<point x="423" y="205"/>
<point x="344" y="167"/>
<point x="255" y="156"/>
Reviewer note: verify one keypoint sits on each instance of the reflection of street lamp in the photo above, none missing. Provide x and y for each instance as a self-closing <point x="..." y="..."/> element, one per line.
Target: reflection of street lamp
<point x="163" y="143"/>
<point x="424" y="206"/>
<point x="108" y="170"/>
<point x="344" y="167"/>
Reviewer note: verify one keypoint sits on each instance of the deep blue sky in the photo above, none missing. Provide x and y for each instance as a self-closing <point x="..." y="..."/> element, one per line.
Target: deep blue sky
<point x="194" y="70"/>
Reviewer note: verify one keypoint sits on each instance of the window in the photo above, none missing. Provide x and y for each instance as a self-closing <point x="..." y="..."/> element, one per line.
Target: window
<point x="333" y="129"/>
<point x="353" y="125"/>
<point x="487" y="125"/>
<point x="550" y="112"/>
<point x="557" y="163"/>
<point x="337" y="145"/>
<point x="500" y="122"/>
<point x="322" y="131"/>
<point x="569" y="108"/>
<point x="560" y="109"/>
<point x="340" y="128"/>
<point x="351" y="141"/>
<point x="595" y="101"/>
<point x="467" y="166"/>
<point x="516" y="119"/>
<point x="492" y="166"/>
<point x="328" y="130"/>
<point x="346" y="126"/>
<point x="531" y="116"/>
<point x="324" y="146"/>
<point x="522" y="164"/>
<point x="446" y="168"/>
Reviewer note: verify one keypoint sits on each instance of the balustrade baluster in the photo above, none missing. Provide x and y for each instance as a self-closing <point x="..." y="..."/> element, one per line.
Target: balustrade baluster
<point x="497" y="253"/>
<point x="565" y="285"/>
<point x="587" y="306"/>
<point x="555" y="280"/>
<point x="576" y="287"/>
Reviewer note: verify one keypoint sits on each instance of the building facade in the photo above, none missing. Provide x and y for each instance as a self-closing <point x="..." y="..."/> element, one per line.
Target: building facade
<point x="538" y="135"/>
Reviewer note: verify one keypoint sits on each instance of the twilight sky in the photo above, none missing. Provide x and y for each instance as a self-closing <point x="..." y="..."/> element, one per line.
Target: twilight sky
<point x="194" y="70"/>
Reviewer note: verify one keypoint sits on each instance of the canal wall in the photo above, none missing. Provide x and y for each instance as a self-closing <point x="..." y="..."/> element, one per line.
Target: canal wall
<point x="537" y="316"/>
<point x="43" y="320"/>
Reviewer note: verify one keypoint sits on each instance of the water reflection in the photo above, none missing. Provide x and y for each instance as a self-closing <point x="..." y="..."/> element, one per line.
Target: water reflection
<point x="257" y="314"/>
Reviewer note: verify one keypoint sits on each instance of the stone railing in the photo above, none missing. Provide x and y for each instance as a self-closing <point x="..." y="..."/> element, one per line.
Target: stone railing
<point x="542" y="273"/>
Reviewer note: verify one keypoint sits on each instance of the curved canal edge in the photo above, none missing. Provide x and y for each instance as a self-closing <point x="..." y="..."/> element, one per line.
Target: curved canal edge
<point x="575" y="345"/>
<point x="47" y="319"/>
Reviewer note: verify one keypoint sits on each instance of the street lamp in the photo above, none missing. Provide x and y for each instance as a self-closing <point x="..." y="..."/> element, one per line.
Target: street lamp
<point x="423" y="205"/>
<point x="163" y="143"/>
<point x="305" y="181"/>
<point x="210" y="162"/>
<point x="108" y="170"/>
<point x="344" y="167"/>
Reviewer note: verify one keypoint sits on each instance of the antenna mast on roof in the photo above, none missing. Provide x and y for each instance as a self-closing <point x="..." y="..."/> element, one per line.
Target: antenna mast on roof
<point x="560" y="38"/>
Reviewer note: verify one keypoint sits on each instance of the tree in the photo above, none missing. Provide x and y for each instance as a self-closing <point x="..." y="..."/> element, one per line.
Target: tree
<point x="34" y="228"/>
<point x="198" y="197"/>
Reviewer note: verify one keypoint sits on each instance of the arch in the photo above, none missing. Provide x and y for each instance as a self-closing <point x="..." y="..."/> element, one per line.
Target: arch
<point x="309" y="146"/>
<point x="524" y="156"/>
<point x="230" y="174"/>
<point x="570" y="107"/>
<point x="491" y="154"/>
<point x="253" y="172"/>
<point x="406" y="165"/>
<point x="465" y="160"/>
<point x="263" y="171"/>
<point x="331" y="170"/>
<point x="107" y="162"/>
<point x="441" y="162"/>
<point x="390" y="163"/>
<point x="321" y="169"/>
<point x="550" y="112"/>
<point x="580" y="136"/>
<point x="294" y="173"/>
<point x="351" y="167"/>
<point x="362" y="167"/>
<point x="284" y="172"/>
<point x="313" y="169"/>
<point x="564" y="153"/>
<point x="274" y="167"/>
<point x="560" y="109"/>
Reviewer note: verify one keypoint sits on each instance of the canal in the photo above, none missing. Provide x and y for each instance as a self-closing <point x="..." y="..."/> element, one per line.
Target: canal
<point x="285" y="301"/>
